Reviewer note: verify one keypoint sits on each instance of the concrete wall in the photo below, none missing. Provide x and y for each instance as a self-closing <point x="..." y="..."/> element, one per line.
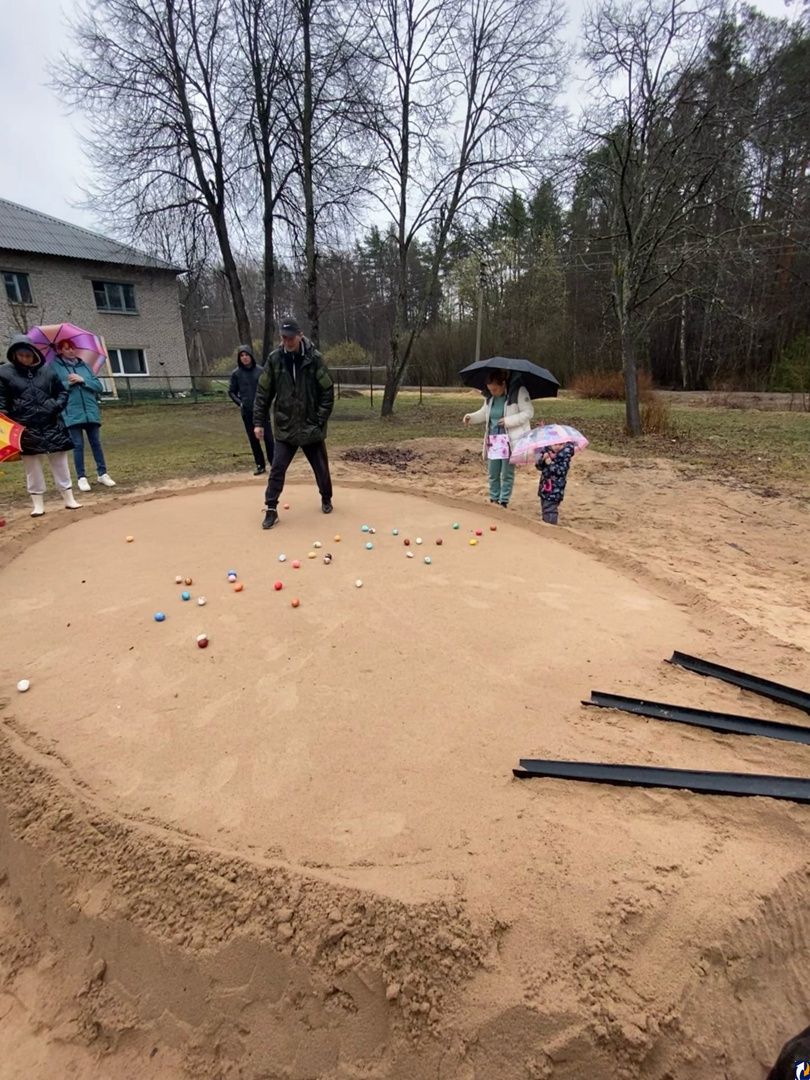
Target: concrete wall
<point x="63" y="292"/>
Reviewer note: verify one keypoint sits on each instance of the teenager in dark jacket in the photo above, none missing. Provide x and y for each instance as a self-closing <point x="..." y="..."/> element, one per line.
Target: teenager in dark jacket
<point x="553" y="467"/>
<point x="32" y="395"/>
<point x="297" y="383"/>
<point x="242" y="392"/>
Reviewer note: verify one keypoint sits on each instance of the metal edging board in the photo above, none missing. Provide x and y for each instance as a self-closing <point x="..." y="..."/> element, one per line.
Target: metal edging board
<point x="728" y="723"/>
<point x="796" y="789"/>
<point x="787" y="695"/>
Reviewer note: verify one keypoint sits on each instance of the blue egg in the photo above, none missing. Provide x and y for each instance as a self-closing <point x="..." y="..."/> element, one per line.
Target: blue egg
<point x="369" y="545"/>
<point x="428" y="560"/>
<point x="456" y="525"/>
<point x="396" y="532"/>
<point x="160" y="617"/>
<point x="364" y="528"/>
<point x="232" y="573"/>
<point x="185" y="596"/>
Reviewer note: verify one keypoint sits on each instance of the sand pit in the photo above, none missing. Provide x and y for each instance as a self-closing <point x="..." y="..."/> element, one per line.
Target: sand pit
<point x="300" y="852"/>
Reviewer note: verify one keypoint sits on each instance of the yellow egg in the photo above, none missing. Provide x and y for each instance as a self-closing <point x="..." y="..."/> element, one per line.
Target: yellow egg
<point x="473" y="542"/>
<point x="130" y="539"/>
<point x="311" y="555"/>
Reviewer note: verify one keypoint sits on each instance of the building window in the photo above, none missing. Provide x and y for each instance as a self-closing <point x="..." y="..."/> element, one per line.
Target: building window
<point x="128" y="362"/>
<point x="114" y="296"/>
<point x="18" y="287"/>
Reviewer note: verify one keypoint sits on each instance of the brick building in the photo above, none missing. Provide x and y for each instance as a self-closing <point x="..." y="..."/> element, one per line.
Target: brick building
<point x="55" y="272"/>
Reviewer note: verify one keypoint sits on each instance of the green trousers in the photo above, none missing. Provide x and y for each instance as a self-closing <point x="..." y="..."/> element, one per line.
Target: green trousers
<point x="501" y="480"/>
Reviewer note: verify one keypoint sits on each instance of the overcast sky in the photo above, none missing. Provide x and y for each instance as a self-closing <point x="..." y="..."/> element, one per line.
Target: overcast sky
<point x="41" y="160"/>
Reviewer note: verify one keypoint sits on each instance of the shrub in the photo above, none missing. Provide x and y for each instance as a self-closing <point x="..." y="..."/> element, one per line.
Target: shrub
<point x="609" y="385"/>
<point x="656" y="417"/>
<point x="346" y="354"/>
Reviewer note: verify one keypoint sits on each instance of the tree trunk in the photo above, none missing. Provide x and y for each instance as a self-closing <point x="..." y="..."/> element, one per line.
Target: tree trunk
<point x="632" y="413"/>
<point x="268" y="339"/>
<point x="685" y="377"/>
<point x="311" y="257"/>
<point x="231" y="272"/>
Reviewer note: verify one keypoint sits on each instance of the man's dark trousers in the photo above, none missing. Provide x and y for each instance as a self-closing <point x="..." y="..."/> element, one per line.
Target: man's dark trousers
<point x="282" y="456"/>
<point x="255" y="445"/>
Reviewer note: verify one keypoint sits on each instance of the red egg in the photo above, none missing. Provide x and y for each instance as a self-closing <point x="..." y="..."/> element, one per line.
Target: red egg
<point x="406" y="543"/>
<point x="478" y="532"/>
<point x="278" y="586"/>
<point x="202" y="641"/>
<point x="286" y="506"/>
<point x="493" y="528"/>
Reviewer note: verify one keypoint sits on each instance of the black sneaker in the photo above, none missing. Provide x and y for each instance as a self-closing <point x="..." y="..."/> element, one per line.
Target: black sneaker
<point x="326" y="506"/>
<point x="259" y="470"/>
<point x="270" y="518"/>
<point x="504" y="505"/>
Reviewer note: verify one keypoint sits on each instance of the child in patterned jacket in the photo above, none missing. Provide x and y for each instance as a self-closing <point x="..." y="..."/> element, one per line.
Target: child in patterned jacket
<point x="553" y="467"/>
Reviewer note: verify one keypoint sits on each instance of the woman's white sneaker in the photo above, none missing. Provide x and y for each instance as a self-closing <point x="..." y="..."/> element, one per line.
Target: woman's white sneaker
<point x="106" y="480"/>
<point x="84" y="484"/>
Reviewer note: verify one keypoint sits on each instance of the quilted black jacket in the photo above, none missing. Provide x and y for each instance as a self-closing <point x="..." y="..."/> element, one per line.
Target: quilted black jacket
<point x="34" y="397"/>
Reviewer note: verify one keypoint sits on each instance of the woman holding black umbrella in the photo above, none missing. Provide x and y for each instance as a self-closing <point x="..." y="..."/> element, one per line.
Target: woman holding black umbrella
<point x="507" y="413"/>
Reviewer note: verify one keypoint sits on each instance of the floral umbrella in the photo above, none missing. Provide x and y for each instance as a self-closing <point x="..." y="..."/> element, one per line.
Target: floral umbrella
<point x="537" y="440"/>
<point x="10" y="436"/>
<point x="88" y="345"/>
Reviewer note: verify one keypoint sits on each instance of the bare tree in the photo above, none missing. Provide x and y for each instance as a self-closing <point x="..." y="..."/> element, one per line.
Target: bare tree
<point x="149" y="76"/>
<point x="329" y="83"/>
<point x="469" y="86"/>
<point x="264" y="32"/>
<point x="659" y="145"/>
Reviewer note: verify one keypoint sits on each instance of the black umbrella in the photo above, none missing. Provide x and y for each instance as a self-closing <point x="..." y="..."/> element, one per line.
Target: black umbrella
<point x="539" y="382"/>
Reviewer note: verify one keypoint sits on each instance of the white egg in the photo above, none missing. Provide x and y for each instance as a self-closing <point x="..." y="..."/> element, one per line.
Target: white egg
<point x="23" y="685"/>
<point x="358" y="583"/>
<point x="201" y="601"/>
<point x="317" y="544"/>
<point x="419" y="539"/>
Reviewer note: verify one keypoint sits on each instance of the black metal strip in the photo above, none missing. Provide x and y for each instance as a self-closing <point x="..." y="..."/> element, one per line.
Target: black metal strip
<point x="796" y="789"/>
<point x="786" y="695"/>
<point x="728" y="723"/>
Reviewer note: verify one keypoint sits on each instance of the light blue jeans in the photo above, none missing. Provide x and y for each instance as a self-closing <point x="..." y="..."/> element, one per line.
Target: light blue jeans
<point x="501" y="480"/>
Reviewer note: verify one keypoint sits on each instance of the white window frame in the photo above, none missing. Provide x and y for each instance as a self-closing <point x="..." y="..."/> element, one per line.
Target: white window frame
<point x="123" y="374"/>
<point x="118" y="284"/>
<point x="19" y="274"/>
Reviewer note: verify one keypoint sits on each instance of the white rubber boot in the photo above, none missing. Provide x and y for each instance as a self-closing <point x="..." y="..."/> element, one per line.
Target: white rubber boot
<point x="39" y="505"/>
<point x="69" y="501"/>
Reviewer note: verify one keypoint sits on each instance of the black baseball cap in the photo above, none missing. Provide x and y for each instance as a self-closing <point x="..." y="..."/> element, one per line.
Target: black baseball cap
<point x="290" y="328"/>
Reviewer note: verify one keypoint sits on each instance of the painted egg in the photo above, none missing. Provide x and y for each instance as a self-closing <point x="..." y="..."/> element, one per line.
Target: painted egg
<point x="358" y="584"/>
<point x="317" y="544"/>
<point x="238" y="587"/>
<point x="369" y="546"/>
<point x="23" y="685"/>
<point x="282" y="558"/>
<point x="278" y="586"/>
<point x="187" y="581"/>
<point x="159" y="616"/>
<point x="201" y="601"/>
<point x="295" y="603"/>
<point x="428" y="560"/>
<point x="185" y="596"/>
<point x="456" y="525"/>
<point x="296" y="565"/>
<point x="202" y="641"/>
<point x="130" y="539"/>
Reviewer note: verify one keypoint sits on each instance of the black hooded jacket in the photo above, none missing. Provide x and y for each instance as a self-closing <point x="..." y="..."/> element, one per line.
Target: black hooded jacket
<point x="34" y="397"/>
<point x="242" y="387"/>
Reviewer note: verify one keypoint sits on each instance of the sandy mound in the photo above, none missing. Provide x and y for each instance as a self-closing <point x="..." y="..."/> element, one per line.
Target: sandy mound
<point x="300" y="853"/>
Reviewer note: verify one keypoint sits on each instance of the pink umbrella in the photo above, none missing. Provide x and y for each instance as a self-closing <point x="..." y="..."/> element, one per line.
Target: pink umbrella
<point x="88" y="345"/>
<point x="537" y="440"/>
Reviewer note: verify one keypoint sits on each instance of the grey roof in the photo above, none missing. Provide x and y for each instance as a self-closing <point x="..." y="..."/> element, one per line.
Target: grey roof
<point x="22" y="229"/>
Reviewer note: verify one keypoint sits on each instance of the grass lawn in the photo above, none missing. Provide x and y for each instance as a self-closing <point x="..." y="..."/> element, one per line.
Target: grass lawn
<point x="158" y="442"/>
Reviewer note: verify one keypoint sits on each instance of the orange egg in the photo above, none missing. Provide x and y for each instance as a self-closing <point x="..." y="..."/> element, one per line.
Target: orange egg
<point x="187" y="581"/>
<point x="238" y="587"/>
<point x="295" y="603"/>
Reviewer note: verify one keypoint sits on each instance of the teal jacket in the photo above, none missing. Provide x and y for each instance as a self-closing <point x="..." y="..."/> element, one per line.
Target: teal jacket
<point x="82" y="405"/>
